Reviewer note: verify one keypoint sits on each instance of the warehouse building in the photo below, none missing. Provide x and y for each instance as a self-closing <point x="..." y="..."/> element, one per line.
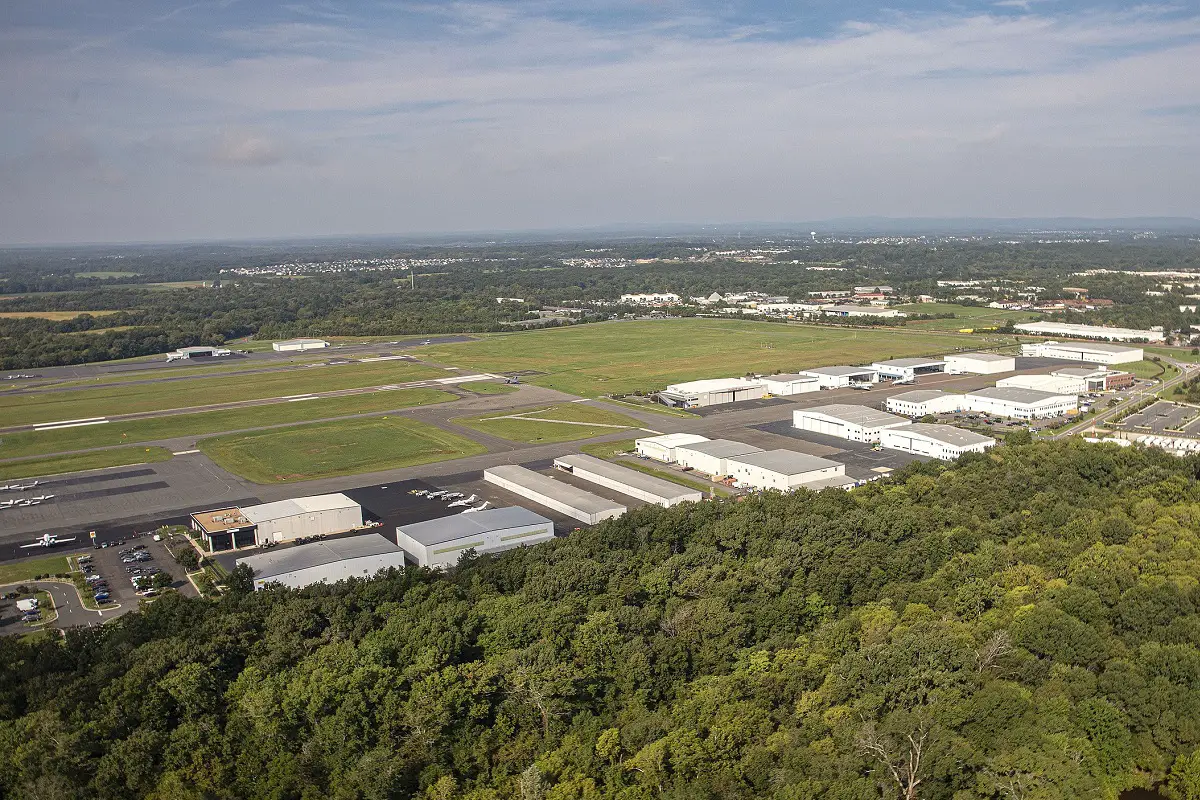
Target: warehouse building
<point x="979" y="363"/>
<point x="920" y="402"/>
<point x="1090" y="332"/>
<point x="788" y="385"/>
<point x="663" y="448"/>
<point x="187" y="353"/>
<point x="856" y="423"/>
<point x="1055" y="384"/>
<point x="646" y="488"/>
<point x="712" y="458"/>
<point x="319" y="515"/>
<point x="944" y="442"/>
<point x="1099" y="379"/>
<point x="299" y="344"/>
<point x="554" y="495"/>
<point x="841" y="377"/>
<point x="711" y="392"/>
<point x="324" y="562"/>
<point x="907" y="369"/>
<point x="1019" y="403"/>
<point x="223" y="529"/>
<point x="860" y="311"/>
<point x="783" y="470"/>
<point x="441" y="542"/>
<point x="1088" y="352"/>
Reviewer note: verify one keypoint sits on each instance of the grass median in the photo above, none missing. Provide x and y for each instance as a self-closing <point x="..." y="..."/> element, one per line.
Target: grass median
<point x="57" y="465"/>
<point x="19" y="571"/>
<point x="558" y="423"/>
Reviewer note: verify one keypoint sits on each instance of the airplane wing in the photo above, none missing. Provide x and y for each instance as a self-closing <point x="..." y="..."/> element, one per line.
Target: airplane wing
<point x="57" y="541"/>
<point x="35" y="544"/>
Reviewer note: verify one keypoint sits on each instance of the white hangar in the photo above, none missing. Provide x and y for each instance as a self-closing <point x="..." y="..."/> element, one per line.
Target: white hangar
<point x="920" y="402"/>
<point x="441" y="542"/>
<point x="944" y="442"/>
<point x="664" y="447"/>
<point x="554" y="495"/>
<point x="298" y="345"/>
<point x="324" y="562"/>
<point x="1090" y="332"/>
<point x="1090" y="352"/>
<point x="1019" y="403"/>
<point x="786" y="470"/>
<point x="787" y="385"/>
<point x="711" y="392"/>
<point x="979" y="363"/>
<point x="1055" y="384"/>
<point x="712" y="458"/>
<point x="627" y="481"/>
<point x="907" y="369"/>
<point x="318" y="515"/>
<point x="856" y="423"/>
<point x="840" y="377"/>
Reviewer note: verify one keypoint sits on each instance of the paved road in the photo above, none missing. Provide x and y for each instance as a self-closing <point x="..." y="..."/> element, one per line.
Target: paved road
<point x="71" y="611"/>
<point x="1186" y="371"/>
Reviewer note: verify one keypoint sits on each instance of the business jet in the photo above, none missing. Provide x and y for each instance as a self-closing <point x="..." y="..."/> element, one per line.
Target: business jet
<point x="7" y="503"/>
<point x="466" y="501"/>
<point x="48" y="540"/>
<point x="478" y="508"/>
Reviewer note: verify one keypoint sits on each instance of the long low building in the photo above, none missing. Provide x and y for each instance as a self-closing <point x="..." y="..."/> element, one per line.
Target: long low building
<point x="441" y="542"/>
<point x="979" y="363"/>
<point x="317" y="515"/>
<point x="712" y="392"/>
<point x="712" y="458"/>
<point x="1087" y="352"/>
<point x="663" y="448"/>
<point x="944" y="442"/>
<point x="783" y="470"/>
<point x="840" y="377"/>
<point x="1055" y="384"/>
<point x="627" y="481"/>
<point x="1099" y="378"/>
<point x="555" y="495"/>
<point x="324" y="562"/>
<point x="907" y="369"/>
<point x="299" y="345"/>
<point x="788" y="385"/>
<point x="186" y="353"/>
<point x="855" y="423"/>
<point x="920" y="402"/>
<point x="1090" y="332"/>
<point x="1019" y="403"/>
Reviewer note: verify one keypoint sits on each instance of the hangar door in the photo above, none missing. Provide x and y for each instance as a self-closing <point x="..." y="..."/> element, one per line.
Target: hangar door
<point x="823" y="425"/>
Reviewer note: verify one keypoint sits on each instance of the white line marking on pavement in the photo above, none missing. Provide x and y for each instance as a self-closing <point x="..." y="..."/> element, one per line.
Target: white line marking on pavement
<point x="185" y="452"/>
<point x="58" y="426"/>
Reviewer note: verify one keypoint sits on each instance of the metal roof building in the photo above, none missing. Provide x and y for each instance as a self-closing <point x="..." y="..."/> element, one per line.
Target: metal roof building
<point x="441" y="542"/>
<point x="839" y="377"/>
<point x="555" y="495"/>
<point x="920" y="402"/>
<point x="627" y="481"/>
<point x="285" y="520"/>
<point x="712" y="457"/>
<point x="712" y="391"/>
<point x="856" y="423"/>
<point x="1090" y="331"/>
<point x="1091" y="352"/>
<point x="944" y="442"/>
<point x="299" y="344"/>
<point x="1019" y="403"/>
<point x="782" y="469"/>
<point x="906" y="369"/>
<point x="787" y="385"/>
<point x="324" y="562"/>
<point x="979" y="363"/>
<point x="664" y="447"/>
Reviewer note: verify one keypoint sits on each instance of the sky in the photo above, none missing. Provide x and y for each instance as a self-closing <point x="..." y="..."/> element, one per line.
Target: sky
<point x="128" y="120"/>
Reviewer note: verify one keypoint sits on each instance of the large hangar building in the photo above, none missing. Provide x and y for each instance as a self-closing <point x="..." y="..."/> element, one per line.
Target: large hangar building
<point x="665" y="447"/>
<point x="944" y="442"/>
<point x="920" y="402"/>
<point x="441" y="542"/>
<point x="1088" y="352"/>
<point x="627" y="481"/>
<point x="1090" y="332"/>
<point x="285" y="520"/>
<point x="855" y="423"/>
<point x="324" y="562"/>
<point x="555" y="495"/>
<point x="786" y="470"/>
<point x="979" y="363"/>
<point x="907" y="369"/>
<point x="841" y="377"/>
<point x="712" y="458"/>
<point x="712" y="392"/>
<point x="1019" y="403"/>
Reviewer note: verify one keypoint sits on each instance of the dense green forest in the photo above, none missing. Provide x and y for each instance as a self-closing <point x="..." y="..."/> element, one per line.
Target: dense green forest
<point x="1023" y="624"/>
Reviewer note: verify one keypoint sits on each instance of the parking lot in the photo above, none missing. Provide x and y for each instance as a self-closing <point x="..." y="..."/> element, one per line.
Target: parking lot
<point x="110" y="565"/>
<point x="1161" y="417"/>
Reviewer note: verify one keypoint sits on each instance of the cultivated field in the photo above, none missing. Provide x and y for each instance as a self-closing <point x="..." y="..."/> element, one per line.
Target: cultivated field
<point x="624" y="357"/>
<point x="57" y="465"/>
<point x="560" y="423"/>
<point x="328" y="449"/>
<point x="964" y="316"/>
<point x="56" y="316"/>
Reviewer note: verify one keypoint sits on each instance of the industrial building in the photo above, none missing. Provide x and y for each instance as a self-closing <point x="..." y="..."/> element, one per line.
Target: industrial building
<point x="324" y="562"/>
<point x="711" y="392"/>
<point x="860" y="311"/>
<point x="186" y="353"/>
<point x="1019" y="403"/>
<point x="856" y="423"/>
<point x="299" y="344"/>
<point x="223" y="529"/>
<point x="441" y="542"/>
<point x="1089" y="332"/>
<point x="784" y="470"/>
<point x="663" y="448"/>
<point x="787" y="385"/>
<point x="1089" y="352"/>
<point x="318" y="515"/>
<point x="1055" y="384"/>
<point x="944" y="442"/>
<point x="1099" y="379"/>
<point x="555" y="495"/>
<point x="636" y="484"/>
<point x="979" y="363"/>
<point x="841" y="377"/>
<point x="907" y="369"/>
<point x="712" y="457"/>
<point x="920" y="402"/>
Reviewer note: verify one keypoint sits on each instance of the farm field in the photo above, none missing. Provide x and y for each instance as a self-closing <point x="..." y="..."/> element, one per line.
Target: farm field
<point x="329" y="449"/>
<point x="16" y="571"/>
<point x="539" y="425"/>
<point x="28" y="443"/>
<point x="964" y="316"/>
<point x="27" y="409"/>
<point x="625" y="357"/>
<point x="57" y="465"/>
<point x="56" y="316"/>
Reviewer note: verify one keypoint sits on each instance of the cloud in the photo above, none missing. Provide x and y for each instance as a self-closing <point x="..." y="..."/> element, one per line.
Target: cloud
<point x="246" y="149"/>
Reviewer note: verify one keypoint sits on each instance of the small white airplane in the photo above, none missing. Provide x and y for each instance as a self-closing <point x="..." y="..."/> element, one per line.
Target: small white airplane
<point x="453" y="496"/>
<point x="7" y="503"/>
<point x="436" y="495"/>
<point x="478" y="508"/>
<point x="42" y="497"/>
<point x="48" y="540"/>
<point x="466" y="501"/>
<point x="18" y="487"/>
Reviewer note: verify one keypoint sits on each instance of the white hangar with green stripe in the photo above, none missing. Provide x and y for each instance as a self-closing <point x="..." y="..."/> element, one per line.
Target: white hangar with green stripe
<point x="440" y="542"/>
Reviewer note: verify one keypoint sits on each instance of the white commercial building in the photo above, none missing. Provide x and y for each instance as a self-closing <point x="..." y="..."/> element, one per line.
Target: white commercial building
<point x="646" y="488"/>
<point x="1089" y="332"/>
<point x="920" y="402"/>
<point x="784" y="470"/>
<point x="856" y="423"/>
<point x="944" y="442"/>
<point x="711" y="392"/>
<point x="324" y="562"/>
<point x="663" y="448"/>
<point x="907" y="369"/>
<point x="554" y="495"/>
<point x="187" y="353"/>
<point x="787" y="385"/>
<point x="318" y="515"/>
<point x="841" y="377"/>
<point x="653" y="299"/>
<point x="1090" y="352"/>
<point x="1098" y="379"/>
<point x="860" y="311"/>
<point x="1019" y="403"/>
<point x="712" y="458"/>
<point x="1055" y="384"/>
<point x="979" y="363"/>
<point x="441" y="542"/>
<point x="299" y="344"/>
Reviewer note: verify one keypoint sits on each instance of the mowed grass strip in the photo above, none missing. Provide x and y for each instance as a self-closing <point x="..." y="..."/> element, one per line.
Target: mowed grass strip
<point x="538" y="425"/>
<point x="624" y="357"/>
<point x="964" y="316"/>
<point x="28" y="409"/>
<point x="78" y="462"/>
<point x="329" y="449"/>
<point x="29" y="443"/>
<point x="17" y="571"/>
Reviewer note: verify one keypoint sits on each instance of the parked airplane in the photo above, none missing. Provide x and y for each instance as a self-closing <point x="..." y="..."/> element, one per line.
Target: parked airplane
<point x="42" y="497"/>
<point x="478" y="508"/>
<point x="453" y="496"/>
<point x="7" y="503"/>
<point x="48" y="540"/>
<point x="19" y="488"/>
<point x="466" y="501"/>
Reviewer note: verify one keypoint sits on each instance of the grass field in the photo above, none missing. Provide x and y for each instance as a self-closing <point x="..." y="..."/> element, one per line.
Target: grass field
<point x="623" y="357"/>
<point x="1149" y="369"/>
<point x="106" y="274"/>
<point x="57" y="465"/>
<point x="26" y="409"/>
<point x="607" y="450"/>
<point x="536" y="425"/>
<point x="17" y="571"/>
<point x="28" y="443"/>
<point x="200" y="370"/>
<point x="487" y="387"/>
<point x="335" y="448"/>
<point x="57" y="316"/>
<point x="964" y="316"/>
<point x="673" y="477"/>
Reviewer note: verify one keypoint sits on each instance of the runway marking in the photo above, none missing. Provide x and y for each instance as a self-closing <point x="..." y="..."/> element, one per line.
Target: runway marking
<point x="185" y="452"/>
<point x="301" y="399"/>
<point x="58" y="426"/>
<point x="297" y="396"/>
<point x="462" y="379"/>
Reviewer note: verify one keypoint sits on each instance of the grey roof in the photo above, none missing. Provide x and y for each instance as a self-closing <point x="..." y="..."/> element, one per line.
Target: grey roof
<point x="796" y="376"/>
<point x="947" y="434"/>
<point x="838" y="371"/>
<point x="1095" y="347"/>
<point x="721" y="448"/>
<point x="458" y="526"/>
<point x="1080" y="372"/>
<point x="839" y="481"/>
<point x="920" y="395"/>
<point x="1014" y="394"/>
<point x="855" y="415"/>
<point x="296" y="506"/>
<point x="289" y="559"/>
<point x="787" y="462"/>
<point x="563" y="492"/>
<point x="909" y="362"/>
<point x="627" y="477"/>
<point x="982" y="356"/>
